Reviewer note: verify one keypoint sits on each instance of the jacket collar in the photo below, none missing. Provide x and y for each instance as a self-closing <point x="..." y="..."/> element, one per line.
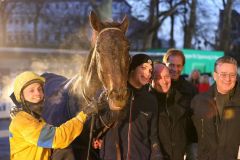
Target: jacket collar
<point x="213" y="90"/>
<point x="13" y="98"/>
<point x="176" y="99"/>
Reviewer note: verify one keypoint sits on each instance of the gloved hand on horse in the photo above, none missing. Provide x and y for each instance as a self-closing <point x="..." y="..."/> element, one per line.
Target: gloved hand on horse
<point x="96" y="105"/>
<point x="14" y="110"/>
<point x="156" y="153"/>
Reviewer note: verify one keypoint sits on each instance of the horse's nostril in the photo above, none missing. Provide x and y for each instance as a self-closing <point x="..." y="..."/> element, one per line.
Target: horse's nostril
<point x="118" y="94"/>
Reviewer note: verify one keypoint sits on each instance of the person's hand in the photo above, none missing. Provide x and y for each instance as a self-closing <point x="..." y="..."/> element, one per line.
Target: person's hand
<point x="97" y="143"/>
<point x="102" y="101"/>
<point x="91" y="108"/>
<point x="14" y="110"/>
<point x="156" y="153"/>
<point x="96" y="105"/>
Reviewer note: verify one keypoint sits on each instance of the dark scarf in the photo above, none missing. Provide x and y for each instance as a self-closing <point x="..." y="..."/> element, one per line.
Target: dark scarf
<point x="222" y="99"/>
<point x="34" y="109"/>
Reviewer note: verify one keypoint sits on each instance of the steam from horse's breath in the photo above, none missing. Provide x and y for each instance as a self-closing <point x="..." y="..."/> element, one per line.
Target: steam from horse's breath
<point x="67" y="67"/>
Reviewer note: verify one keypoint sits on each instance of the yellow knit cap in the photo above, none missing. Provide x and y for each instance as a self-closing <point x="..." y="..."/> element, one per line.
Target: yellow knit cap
<point x="22" y="80"/>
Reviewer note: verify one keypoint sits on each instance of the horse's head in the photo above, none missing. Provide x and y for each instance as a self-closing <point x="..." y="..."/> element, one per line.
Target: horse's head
<point x="111" y="51"/>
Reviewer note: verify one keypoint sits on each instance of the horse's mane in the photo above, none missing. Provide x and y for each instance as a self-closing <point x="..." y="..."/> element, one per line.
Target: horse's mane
<point x="87" y="62"/>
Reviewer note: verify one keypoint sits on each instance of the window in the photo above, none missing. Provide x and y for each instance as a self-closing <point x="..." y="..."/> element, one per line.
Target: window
<point x="57" y="36"/>
<point x="57" y="6"/>
<point x="46" y="37"/>
<point x="77" y="6"/>
<point x="66" y="6"/>
<point x="47" y="6"/>
<point x="22" y="21"/>
<point x="29" y="20"/>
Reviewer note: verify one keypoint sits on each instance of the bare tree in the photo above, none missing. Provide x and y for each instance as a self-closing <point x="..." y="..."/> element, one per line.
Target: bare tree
<point x="224" y="43"/>
<point x="205" y="34"/>
<point x="37" y="13"/>
<point x="6" y="7"/>
<point x="172" y="21"/>
<point x="38" y="7"/>
<point x="156" y="18"/>
<point x="153" y="20"/>
<point x="189" y="27"/>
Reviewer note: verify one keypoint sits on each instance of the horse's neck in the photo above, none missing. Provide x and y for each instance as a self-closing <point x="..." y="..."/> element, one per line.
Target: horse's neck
<point x="91" y="85"/>
<point x="90" y="82"/>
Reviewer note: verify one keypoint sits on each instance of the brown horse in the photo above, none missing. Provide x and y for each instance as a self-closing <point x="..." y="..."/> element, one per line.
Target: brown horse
<point x="106" y="68"/>
<point x="107" y="64"/>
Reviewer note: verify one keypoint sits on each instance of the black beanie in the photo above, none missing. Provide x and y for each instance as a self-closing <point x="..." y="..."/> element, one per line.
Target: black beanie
<point x="139" y="59"/>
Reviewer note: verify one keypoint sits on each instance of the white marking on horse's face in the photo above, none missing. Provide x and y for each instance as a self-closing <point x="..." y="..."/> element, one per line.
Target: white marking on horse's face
<point x="112" y="65"/>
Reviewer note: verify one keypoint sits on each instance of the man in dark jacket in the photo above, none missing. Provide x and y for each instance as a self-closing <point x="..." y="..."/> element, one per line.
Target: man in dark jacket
<point x="216" y="114"/>
<point x="175" y="60"/>
<point x="172" y="115"/>
<point x="134" y="137"/>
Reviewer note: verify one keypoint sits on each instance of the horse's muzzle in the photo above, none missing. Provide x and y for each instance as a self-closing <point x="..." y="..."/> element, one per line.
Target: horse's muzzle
<point x="117" y="98"/>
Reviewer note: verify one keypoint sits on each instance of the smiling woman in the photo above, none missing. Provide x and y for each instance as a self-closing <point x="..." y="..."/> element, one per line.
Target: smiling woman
<point x="33" y="93"/>
<point x="29" y="135"/>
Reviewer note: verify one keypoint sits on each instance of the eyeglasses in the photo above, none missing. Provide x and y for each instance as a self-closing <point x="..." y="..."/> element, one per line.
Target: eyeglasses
<point x="225" y="75"/>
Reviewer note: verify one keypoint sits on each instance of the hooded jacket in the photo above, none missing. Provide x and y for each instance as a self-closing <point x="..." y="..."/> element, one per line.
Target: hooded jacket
<point x="137" y="130"/>
<point x="188" y="90"/>
<point x="218" y="136"/>
<point x="173" y="114"/>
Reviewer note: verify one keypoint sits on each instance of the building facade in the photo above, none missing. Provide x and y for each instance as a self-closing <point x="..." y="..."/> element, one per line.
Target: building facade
<point x="53" y="23"/>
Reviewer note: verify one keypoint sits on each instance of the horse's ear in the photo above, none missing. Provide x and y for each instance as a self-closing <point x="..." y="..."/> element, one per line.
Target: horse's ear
<point x="124" y="24"/>
<point x="94" y="21"/>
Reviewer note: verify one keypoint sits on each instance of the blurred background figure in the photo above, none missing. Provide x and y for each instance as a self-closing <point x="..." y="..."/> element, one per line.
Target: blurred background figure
<point x="204" y="83"/>
<point x="194" y="77"/>
<point x="200" y="81"/>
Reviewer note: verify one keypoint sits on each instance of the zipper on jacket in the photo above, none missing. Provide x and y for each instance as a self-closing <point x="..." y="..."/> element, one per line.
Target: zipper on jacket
<point x="217" y="128"/>
<point x="202" y="130"/>
<point x="171" y="124"/>
<point x="129" y="127"/>
<point x="217" y="119"/>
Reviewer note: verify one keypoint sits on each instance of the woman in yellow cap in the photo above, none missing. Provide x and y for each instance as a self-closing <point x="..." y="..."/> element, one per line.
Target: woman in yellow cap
<point x="30" y="137"/>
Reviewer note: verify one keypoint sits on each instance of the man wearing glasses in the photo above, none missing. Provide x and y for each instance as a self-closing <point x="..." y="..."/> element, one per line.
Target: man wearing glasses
<point x="216" y="114"/>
